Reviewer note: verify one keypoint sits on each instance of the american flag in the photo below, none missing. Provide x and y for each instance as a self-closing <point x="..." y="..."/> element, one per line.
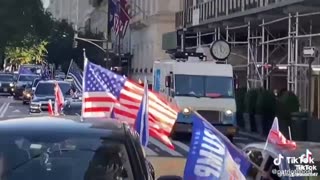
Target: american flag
<point x="105" y="90"/>
<point x="119" y="16"/>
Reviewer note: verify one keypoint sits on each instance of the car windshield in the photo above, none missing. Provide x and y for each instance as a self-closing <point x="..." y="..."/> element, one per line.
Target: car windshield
<point x="6" y="78"/>
<point x="47" y="89"/>
<point x="44" y="157"/>
<point x="28" y="78"/>
<point x="204" y="86"/>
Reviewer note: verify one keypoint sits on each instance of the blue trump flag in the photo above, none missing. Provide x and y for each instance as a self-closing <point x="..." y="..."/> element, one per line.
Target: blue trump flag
<point x="142" y="121"/>
<point x="212" y="156"/>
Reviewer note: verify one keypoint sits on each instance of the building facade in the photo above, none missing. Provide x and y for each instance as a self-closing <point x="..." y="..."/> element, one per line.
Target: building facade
<point x="267" y="39"/>
<point x="150" y="19"/>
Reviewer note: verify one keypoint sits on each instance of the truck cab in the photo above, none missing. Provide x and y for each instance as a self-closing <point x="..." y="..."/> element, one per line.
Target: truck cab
<point x="203" y="87"/>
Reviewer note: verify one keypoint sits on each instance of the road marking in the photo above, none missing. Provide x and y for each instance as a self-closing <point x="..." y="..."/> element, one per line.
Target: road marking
<point x="182" y="145"/>
<point x="16" y="111"/>
<point x="4" y="109"/>
<point x="164" y="147"/>
<point x="149" y="152"/>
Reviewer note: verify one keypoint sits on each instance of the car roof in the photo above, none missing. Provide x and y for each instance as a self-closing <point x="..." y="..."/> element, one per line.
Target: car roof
<point x="302" y="146"/>
<point x="5" y="73"/>
<point x="50" y="125"/>
<point x="28" y="75"/>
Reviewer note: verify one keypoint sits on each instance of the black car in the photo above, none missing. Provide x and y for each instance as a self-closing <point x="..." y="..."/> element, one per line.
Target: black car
<point x="6" y="83"/>
<point x="45" y="92"/>
<point x="70" y="149"/>
<point x="22" y="81"/>
<point x="28" y="91"/>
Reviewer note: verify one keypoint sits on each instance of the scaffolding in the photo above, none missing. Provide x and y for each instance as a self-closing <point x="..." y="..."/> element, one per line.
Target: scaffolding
<point x="264" y="41"/>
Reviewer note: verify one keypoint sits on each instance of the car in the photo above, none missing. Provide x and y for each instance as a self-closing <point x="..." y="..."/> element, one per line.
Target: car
<point x="67" y="148"/>
<point x="44" y="92"/>
<point x="263" y="158"/>
<point x="28" y="91"/>
<point x="22" y="81"/>
<point x="6" y="83"/>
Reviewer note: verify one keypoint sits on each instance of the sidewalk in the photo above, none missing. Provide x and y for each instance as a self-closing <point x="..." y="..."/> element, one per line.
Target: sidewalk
<point x="252" y="135"/>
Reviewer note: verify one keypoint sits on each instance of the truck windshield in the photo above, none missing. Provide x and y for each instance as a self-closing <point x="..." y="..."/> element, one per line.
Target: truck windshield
<point x="204" y="86"/>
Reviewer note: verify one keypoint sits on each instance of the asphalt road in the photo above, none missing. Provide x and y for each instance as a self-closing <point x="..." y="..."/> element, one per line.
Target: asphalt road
<point x="165" y="160"/>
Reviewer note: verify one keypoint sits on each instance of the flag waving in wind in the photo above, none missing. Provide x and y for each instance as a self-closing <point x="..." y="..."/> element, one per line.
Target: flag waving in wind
<point x="142" y="121"/>
<point x="211" y="155"/>
<point x="104" y="88"/>
<point x="76" y="74"/>
<point x="59" y="99"/>
<point x="277" y="138"/>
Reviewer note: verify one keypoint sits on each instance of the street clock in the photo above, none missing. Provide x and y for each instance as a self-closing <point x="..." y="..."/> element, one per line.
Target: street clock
<point x="220" y="50"/>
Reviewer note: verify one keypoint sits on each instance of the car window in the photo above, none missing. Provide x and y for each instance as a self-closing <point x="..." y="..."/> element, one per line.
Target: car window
<point x="27" y="78"/>
<point x="6" y="78"/>
<point x="35" y="82"/>
<point x="63" y="158"/>
<point x="255" y="156"/>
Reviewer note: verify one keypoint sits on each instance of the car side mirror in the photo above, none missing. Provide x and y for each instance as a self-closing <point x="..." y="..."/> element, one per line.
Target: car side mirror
<point x="33" y="88"/>
<point x="169" y="178"/>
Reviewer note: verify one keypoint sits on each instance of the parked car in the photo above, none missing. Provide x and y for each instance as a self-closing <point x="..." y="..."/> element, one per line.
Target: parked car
<point x="67" y="148"/>
<point x="6" y="83"/>
<point x="263" y="158"/>
<point x="22" y="81"/>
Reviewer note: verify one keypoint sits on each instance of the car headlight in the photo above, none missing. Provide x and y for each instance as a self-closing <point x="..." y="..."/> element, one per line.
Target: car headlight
<point x="28" y="95"/>
<point x="186" y="111"/>
<point x="11" y="84"/>
<point x="228" y="113"/>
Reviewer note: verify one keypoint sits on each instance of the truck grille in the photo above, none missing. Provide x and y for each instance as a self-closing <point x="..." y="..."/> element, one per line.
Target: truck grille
<point x="211" y="116"/>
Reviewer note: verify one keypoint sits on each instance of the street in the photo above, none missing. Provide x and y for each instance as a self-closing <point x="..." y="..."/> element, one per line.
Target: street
<point x="165" y="160"/>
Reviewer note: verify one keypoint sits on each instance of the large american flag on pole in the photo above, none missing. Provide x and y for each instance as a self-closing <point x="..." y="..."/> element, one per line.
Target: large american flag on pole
<point x="104" y="90"/>
<point x="119" y="16"/>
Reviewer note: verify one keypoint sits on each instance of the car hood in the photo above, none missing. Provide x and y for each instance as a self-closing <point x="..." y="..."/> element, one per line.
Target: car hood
<point x="42" y="98"/>
<point x="46" y="98"/>
<point x="217" y="104"/>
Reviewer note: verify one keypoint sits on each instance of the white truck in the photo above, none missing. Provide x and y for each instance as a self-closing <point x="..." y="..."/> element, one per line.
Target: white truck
<point x="201" y="86"/>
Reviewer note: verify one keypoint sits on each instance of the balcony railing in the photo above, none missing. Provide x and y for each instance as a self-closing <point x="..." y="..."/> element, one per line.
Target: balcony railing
<point x="200" y="13"/>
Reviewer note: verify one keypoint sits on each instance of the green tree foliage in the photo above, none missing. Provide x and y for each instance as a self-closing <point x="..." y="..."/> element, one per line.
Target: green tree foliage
<point x="28" y="53"/>
<point x="60" y="50"/>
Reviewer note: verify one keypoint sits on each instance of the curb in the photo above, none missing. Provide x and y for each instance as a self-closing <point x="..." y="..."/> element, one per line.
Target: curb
<point x="253" y="135"/>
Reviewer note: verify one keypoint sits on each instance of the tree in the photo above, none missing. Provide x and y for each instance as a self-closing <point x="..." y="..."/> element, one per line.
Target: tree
<point x="27" y="54"/>
<point x="22" y="17"/>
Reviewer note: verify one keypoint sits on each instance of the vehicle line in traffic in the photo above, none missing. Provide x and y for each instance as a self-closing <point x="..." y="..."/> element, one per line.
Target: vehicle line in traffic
<point x="4" y="109"/>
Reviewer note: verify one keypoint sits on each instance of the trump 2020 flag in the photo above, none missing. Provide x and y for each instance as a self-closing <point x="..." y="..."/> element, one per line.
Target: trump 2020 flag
<point x="209" y="156"/>
<point x="142" y="121"/>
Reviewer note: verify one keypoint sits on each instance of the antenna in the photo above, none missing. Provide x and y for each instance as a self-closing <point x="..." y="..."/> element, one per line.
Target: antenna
<point x="289" y="132"/>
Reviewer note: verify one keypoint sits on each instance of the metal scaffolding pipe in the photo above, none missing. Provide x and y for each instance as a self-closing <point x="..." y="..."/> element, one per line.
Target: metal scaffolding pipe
<point x="308" y="35"/>
<point x="277" y="39"/>
<point x="273" y="21"/>
<point x="237" y="27"/>
<point x="307" y="14"/>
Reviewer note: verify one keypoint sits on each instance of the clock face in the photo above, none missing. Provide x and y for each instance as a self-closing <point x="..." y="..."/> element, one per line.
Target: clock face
<point x="220" y="50"/>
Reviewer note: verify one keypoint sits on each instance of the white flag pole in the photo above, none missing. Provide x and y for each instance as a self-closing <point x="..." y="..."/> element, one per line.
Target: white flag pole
<point x="69" y="68"/>
<point x="290" y="133"/>
<point x="85" y="62"/>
